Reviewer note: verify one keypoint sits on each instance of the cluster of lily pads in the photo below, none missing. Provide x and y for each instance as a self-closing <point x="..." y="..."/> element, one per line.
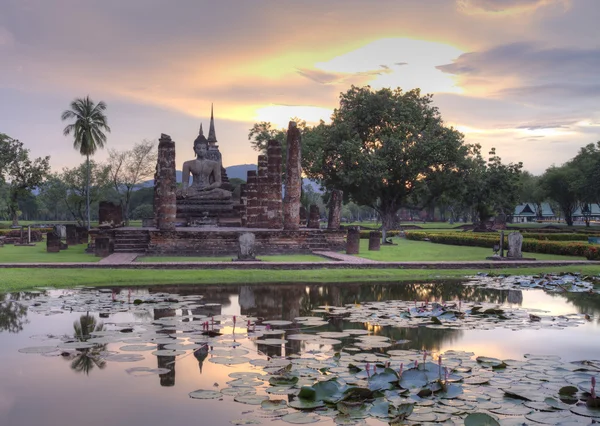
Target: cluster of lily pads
<point x="556" y="283"/>
<point x="352" y="376"/>
<point x="456" y="315"/>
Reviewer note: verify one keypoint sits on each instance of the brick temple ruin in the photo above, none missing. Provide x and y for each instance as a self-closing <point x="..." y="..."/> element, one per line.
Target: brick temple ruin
<point x="201" y="218"/>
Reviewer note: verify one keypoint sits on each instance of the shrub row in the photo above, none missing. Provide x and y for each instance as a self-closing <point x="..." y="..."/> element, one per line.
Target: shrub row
<point x="364" y="235"/>
<point x="591" y="252"/>
<point x="16" y="232"/>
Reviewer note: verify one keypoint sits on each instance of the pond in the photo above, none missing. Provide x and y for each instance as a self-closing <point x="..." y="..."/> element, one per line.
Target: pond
<point x="392" y="353"/>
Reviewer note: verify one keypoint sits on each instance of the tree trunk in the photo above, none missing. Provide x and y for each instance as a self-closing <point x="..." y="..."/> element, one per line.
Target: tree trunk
<point x="388" y="220"/>
<point x="87" y="194"/>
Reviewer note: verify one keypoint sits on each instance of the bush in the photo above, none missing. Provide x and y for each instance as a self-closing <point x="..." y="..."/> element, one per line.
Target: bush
<point x="487" y="240"/>
<point x="142" y="211"/>
<point x="364" y="235"/>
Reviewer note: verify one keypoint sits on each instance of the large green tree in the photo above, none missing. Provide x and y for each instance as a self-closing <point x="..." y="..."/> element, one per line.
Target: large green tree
<point x="586" y="182"/>
<point x="531" y="191"/>
<point x="382" y="147"/>
<point x="489" y="188"/>
<point x="88" y="130"/>
<point x="558" y="183"/>
<point x="21" y="173"/>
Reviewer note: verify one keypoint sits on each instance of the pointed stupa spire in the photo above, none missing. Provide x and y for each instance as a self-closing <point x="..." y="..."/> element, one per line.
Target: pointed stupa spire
<point x="212" y="136"/>
<point x="201" y="132"/>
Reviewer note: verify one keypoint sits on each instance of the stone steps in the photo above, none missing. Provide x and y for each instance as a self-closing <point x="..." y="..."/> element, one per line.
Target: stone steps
<point x="131" y="241"/>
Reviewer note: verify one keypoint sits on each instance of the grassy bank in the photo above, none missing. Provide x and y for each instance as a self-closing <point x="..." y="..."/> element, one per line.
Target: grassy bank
<point x="414" y="251"/>
<point x="22" y="279"/>
<point x="38" y="254"/>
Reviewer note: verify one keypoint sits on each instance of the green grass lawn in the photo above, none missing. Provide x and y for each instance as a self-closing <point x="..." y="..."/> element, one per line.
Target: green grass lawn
<point x="14" y="279"/>
<point x="414" y="251"/>
<point x="278" y="258"/>
<point x="5" y="224"/>
<point x="428" y="225"/>
<point x="37" y="254"/>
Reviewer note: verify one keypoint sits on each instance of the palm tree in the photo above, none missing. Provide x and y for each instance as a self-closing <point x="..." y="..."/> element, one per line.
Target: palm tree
<point x="88" y="132"/>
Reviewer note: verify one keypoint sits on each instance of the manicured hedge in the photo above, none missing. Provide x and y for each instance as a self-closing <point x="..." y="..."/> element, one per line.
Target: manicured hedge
<point x="14" y="232"/>
<point x="530" y="245"/>
<point x="364" y="235"/>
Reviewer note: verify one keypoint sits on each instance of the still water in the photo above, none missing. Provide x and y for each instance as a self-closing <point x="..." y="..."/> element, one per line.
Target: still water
<point x="97" y="386"/>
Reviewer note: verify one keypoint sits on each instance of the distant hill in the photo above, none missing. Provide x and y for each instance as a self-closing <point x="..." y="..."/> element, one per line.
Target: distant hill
<point x="238" y="171"/>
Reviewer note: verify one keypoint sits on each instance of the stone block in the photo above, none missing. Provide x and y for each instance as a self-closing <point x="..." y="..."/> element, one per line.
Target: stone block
<point x="314" y="216"/>
<point x="102" y="246"/>
<point x="82" y="234"/>
<point x="246" y="249"/>
<point x="72" y="238"/>
<point x="52" y="242"/>
<point x="353" y="240"/>
<point x="515" y="242"/>
<point x="110" y="214"/>
<point x="374" y="240"/>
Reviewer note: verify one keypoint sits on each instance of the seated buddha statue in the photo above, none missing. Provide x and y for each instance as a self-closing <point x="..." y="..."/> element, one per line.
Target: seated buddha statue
<point x="206" y="176"/>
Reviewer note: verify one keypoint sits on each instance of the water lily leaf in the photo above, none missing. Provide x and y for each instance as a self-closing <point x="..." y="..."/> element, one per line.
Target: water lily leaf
<point x="568" y="390"/>
<point x="380" y="409"/>
<point x="38" y="349"/>
<point x="300" y="418"/>
<point x="225" y="360"/>
<point x="246" y="421"/>
<point x="287" y="379"/>
<point x="582" y="410"/>
<point x="329" y="391"/>
<point x="556" y="404"/>
<point x="480" y="419"/>
<point x="353" y="409"/>
<point x="124" y="357"/>
<point x="251" y="399"/>
<point x="137" y="348"/>
<point x="238" y="391"/>
<point x="145" y="371"/>
<point x="491" y="362"/>
<point x="205" y="394"/>
<point x="452" y="391"/>
<point x="551" y="418"/>
<point x="413" y="379"/>
<point x="384" y="380"/>
<point x="273" y="404"/>
<point x="303" y="404"/>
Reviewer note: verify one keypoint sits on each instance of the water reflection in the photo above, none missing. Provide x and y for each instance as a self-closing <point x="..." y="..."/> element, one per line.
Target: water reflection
<point x="13" y="315"/>
<point x="85" y="360"/>
<point x="51" y="389"/>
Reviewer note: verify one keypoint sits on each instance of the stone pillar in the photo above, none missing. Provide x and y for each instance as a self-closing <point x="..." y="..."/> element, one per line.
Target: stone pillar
<point x="72" y="238"/>
<point x="251" y="199"/>
<point x="515" y="242"/>
<point x="82" y="234"/>
<point x="374" y="240"/>
<point x="335" y="209"/>
<point x="303" y="216"/>
<point x="293" y="178"/>
<point x="165" y="185"/>
<point x="353" y="240"/>
<point x="261" y="196"/>
<point x="102" y="246"/>
<point x="52" y="242"/>
<point x="244" y="205"/>
<point x="313" y="217"/>
<point x="273" y="190"/>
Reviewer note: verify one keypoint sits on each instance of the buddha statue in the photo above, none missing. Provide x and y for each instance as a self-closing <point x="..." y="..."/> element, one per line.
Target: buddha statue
<point x="206" y="176"/>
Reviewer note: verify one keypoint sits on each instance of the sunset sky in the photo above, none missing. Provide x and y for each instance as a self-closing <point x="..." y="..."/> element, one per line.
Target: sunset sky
<point x="520" y="75"/>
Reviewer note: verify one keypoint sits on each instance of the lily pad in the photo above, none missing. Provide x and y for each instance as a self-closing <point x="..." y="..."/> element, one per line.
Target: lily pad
<point x="205" y="394"/>
<point x="300" y="418"/>
<point x="480" y="419"/>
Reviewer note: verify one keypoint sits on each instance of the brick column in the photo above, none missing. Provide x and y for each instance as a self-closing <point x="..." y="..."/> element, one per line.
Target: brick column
<point x="353" y="240"/>
<point x="313" y="217"/>
<point x="52" y="242"/>
<point x="102" y="246"/>
<point x="374" y="240"/>
<point x="335" y="209"/>
<point x="82" y="234"/>
<point x="243" y="205"/>
<point x="273" y="189"/>
<point x="251" y="200"/>
<point x="293" y="178"/>
<point x="262" y="187"/>
<point x="165" y="185"/>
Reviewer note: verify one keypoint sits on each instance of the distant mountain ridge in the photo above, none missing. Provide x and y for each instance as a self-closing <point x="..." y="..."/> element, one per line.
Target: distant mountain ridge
<point x="238" y="171"/>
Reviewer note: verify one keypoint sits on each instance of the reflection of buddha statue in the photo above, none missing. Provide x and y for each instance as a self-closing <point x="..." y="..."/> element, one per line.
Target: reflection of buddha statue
<point x="206" y="176"/>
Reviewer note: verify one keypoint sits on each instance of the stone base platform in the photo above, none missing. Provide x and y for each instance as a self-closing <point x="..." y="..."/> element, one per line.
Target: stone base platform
<point x="207" y="241"/>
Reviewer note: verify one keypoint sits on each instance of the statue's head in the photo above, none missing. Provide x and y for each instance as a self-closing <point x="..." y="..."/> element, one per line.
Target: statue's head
<point x="200" y="148"/>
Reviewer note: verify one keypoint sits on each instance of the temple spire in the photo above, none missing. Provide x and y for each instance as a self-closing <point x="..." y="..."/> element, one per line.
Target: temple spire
<point x="201" y="132"/>
<point x="212" y="136"/>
